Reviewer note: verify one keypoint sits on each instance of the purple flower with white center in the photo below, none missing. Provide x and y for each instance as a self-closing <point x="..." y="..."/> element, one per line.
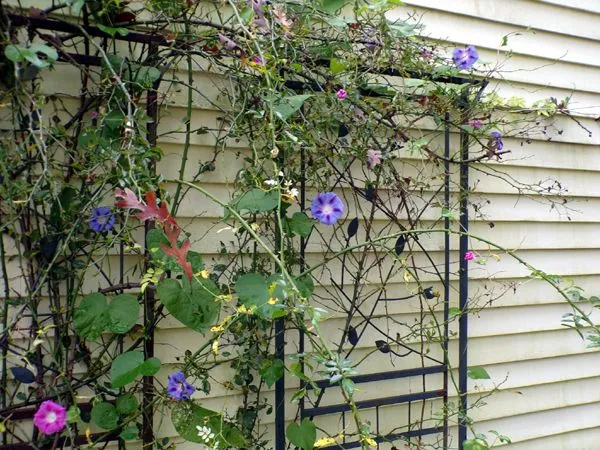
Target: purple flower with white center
<point x="373" y="158"/>
<point x="50" y="417"/>
<point x="178" y="388"/>
<point x="259" y="60"/>
<point x="496" y="140"/>
<point x="464" y="58"/>
<point x="228" y="44"/>
<point x="327" y="208"/>
<point x="341" y="94"/>
<point x="102" y="219"/>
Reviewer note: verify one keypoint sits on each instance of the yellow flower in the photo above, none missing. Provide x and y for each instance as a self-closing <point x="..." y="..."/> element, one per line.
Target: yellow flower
<point x="215" y="347"/>
<point x="371" y="442"/>
<point x="273" y="300"/>
<point x="205" y="274"/>
<point x="217" y="328"/>
<point x="224" y="298"/>
<point x="323" y="442"/>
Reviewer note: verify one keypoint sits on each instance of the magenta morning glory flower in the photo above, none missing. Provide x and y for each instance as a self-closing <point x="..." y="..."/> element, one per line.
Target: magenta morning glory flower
<point x="464" y="58"/>
<point x="373" y="158"/>
<point x="469" y="256"/>
<point x="341" y="94"/>
<point x="178" y="388"/>
<point x="50" y="417"/>
<point x="102" y="219"/>
<point x="327" y="208"/>
<point x="496" y="140"/>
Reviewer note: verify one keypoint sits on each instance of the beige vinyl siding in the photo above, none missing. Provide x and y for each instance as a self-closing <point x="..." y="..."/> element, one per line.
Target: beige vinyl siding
<point x="549" y="394"/>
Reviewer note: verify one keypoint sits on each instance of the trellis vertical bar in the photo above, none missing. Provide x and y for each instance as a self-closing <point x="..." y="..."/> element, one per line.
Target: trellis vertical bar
<point x="148" y="381"/>
<point x="446" y="267"/>
<point x="280" y="387"/>
<point x="463" y="323"/>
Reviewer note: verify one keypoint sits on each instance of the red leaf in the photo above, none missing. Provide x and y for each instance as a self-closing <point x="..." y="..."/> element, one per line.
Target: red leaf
<point x="180" y="255"/>
<point x="128" y="199"/>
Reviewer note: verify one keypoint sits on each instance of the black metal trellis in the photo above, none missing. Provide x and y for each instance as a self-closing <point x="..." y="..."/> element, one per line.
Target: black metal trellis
<point x="150" y="313"/>
<point x="438" y="367"/>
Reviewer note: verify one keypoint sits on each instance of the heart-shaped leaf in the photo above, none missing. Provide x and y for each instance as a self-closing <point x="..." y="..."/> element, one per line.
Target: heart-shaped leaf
<point x="105" y="416"/>
<point x="23" y="374"/>
<point x="382" y="346"/>
<point x="303" y="435"/>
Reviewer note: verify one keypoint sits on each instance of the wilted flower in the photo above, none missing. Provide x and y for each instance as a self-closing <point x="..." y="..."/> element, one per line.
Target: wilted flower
<point x="469" y="256"/>
<point x="464" y="58"/>
<point x="496" y="140"/>
<point x="178" y="388"/>
<point x="260" y="20"/>
<point x="50" y="417"/>
<point x="327" y="208"/>
<point x="94" y="115"/>
<point x="281" y="17"/>
<point x="228" y="44"/>
<point x="373" y="158"/>
<point x="102" y="219"/>
<point x="341" y="94"/>
<point x="259" y="60"/>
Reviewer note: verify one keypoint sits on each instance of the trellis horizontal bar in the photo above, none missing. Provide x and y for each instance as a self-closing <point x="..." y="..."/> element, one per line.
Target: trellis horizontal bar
<point x="380" y="376"/>
<point x="331" y="409"/>
<point x="388" y="438"/>
<point x="66" y="440"/>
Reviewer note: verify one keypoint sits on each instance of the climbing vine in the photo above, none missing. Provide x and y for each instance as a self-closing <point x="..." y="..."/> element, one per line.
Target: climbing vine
<point x="329" y="119"/>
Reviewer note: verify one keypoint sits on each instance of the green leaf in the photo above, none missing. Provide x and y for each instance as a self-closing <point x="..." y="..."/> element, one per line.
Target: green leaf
<point x="348" y="386"/>
<point x="125" y="368"/>
<point x="271" y="370"/>
<point x="454" y="312"/>
<point x="288" y="106"/>
<point x="300" y="224"/>
<point x="114" y="119"/>
<point x="146" y="76"/>
<point x="113" y="31"/>
<point x="126" y="404"/>
<point x="253" y="291"/>
<point x="150" y="367"/>
<point x="192" y="304"/>
<point x="49" y="52"/>
<point x="73" y="415"/>
<point x="16" y="53"/>
<point x="76" y="5"/>
<point x="303" y="435"/>
<point x="257" y="200"/>
<point x="305" y="285"/>
<point x="105" y="416"/>
<point x="129" y="433"/>
<point x="195" y="260"/>
<point x="336" y="66"/>
<point x="123" y="313"/>
<point x="475" y="444"/>
<point x="91" y="316"/>
<point x="187" y="416"/>
<point x="478" y="373"/>
<point x="332" y="6"/>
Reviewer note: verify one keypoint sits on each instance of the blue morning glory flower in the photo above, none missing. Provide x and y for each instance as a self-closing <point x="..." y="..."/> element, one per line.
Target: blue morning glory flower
<point x="496" y="140"/>
<point x="178" y="388"/>
<point x="464" y="58"/>
<point x="327" y="208"/>
<point x="102" y="219"/>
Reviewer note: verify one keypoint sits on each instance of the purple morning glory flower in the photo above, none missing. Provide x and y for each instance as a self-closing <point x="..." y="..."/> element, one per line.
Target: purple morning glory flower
<point x="464" y="58"/>
<point x="178" y="388"/>
<point x="327" y="208"/>
<point x="496" y="140"/>
<point x="102" y="219"/>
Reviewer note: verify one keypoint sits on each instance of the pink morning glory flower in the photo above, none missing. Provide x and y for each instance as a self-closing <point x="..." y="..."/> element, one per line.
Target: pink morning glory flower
<point x="464" y="58"/>
<point x="373" y="158"/>
<point x="341" y="94"/>
<point x="327" y="208"/>
<point x="476" y="123"/>
<point x="50" y="418"/>
<point x="469" y="256"/>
